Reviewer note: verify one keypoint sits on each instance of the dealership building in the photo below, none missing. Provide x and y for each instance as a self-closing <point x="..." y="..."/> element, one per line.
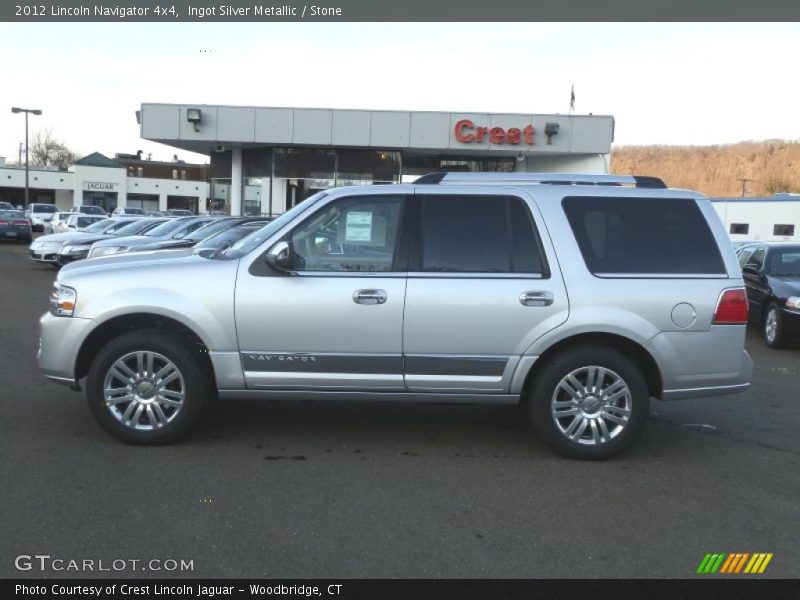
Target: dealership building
<point x="266" y="160"/>
<point x="125" y="180"/>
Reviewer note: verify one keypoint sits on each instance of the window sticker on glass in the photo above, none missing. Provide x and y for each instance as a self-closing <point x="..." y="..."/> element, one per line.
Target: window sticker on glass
<point x="359" y="227"/>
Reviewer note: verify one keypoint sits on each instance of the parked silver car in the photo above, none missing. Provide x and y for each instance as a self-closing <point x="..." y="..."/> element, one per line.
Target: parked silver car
<point x="581" y="296"/>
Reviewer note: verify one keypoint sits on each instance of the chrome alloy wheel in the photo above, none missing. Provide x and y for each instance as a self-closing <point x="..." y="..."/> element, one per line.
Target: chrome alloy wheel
<point x="591" y="405"/>
<point x="771" y="325"/>
<point x="144" y="390"/>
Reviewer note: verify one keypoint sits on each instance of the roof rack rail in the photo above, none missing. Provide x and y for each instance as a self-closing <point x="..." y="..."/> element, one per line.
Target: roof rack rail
<point x="541" y="179"/>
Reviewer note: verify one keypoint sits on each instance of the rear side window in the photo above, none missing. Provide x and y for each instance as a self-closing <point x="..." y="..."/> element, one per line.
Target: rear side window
<point x="642" y="236"/>
<point x="478" y="234"/>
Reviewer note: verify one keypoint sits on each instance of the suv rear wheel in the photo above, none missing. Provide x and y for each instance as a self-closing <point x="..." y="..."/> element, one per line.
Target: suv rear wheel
<point x="145" y="387"/>
<point x="589" y="403"/>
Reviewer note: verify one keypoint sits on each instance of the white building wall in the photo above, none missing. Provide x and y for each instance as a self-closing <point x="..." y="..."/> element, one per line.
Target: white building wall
<point x="761" y="216"/>
<point x="69" y="186"/>
<point x="109" y="178"/>
<point x="43" y="179"/>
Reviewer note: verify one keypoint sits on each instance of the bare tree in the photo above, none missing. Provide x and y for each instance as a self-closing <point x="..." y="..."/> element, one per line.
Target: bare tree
<point x="46" y="151"/>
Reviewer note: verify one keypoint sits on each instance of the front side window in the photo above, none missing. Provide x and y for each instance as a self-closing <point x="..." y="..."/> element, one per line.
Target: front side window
<point x="643" y="236"/>
<point x="478" y="234"/>
<point x="352" y="234"/>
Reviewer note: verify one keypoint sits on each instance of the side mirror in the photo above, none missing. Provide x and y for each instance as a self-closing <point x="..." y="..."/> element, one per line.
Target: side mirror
<point x="281" y="257"/>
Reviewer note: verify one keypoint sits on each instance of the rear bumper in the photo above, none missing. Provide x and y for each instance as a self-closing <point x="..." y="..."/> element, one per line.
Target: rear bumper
<point x="701" y="364"/>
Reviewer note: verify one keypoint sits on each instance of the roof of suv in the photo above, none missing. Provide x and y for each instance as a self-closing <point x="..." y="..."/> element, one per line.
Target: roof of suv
<point x="640" y="181"/>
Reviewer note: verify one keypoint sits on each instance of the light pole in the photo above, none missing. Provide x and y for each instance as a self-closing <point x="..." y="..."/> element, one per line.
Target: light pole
<point x="35" y="111"/>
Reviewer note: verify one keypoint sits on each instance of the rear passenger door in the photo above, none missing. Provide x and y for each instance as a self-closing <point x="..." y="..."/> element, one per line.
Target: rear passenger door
<point x="482" y="286"/>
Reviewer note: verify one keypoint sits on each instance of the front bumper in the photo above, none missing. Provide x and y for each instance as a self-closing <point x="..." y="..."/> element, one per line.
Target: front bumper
<point x="66" y="258"/>
<point x="60" y="340"/>
<point x="43" y="255"/>
<point x="790" y="320"/>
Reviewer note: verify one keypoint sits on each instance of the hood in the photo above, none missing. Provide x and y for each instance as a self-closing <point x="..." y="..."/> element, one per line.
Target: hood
<point x="122" y="261"/>
<point x="87" y="238"/>
<point x="784" y="286"/>
<point x="57" y="237"/>
<point x="128" y="240"/>
<point x="165" y="244"/>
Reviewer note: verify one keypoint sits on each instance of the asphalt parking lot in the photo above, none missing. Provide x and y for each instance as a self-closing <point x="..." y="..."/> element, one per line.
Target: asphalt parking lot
<point x="339" y="490"/>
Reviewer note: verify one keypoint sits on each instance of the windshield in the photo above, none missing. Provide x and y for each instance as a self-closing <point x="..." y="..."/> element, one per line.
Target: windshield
<point x="43" y="208"/>
<point x="100" y="226"/>
<point x="252" y="241"/>
<point x="784" y="262"/>
<point x="234" y="234"/>
<point x="209" y="229"/>
<point x="85" y="221"/>
<point x="92" y="210"/>
<point x="167" y="227"/>
<point x="131" y="228"/>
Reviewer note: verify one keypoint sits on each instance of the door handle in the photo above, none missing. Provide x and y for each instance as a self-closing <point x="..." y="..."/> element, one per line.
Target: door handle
<point x="369" y="296"/>
<point x="536" y="298"/>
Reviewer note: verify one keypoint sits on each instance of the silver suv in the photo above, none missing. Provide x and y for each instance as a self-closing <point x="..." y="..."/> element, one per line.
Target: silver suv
<point x="580" y="296"/>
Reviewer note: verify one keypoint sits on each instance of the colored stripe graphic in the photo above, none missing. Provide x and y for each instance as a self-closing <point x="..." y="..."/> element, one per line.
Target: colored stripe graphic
<point x="734" y="563"/>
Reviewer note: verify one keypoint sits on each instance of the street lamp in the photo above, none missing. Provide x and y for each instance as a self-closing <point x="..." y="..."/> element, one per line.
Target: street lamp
<point x="35" y="111"/>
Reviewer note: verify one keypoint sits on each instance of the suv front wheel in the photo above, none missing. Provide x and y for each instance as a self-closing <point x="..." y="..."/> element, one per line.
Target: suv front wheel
<point x="589" y="403"/>
<point x="774" y="334"/>
<point x="145" y="387"/>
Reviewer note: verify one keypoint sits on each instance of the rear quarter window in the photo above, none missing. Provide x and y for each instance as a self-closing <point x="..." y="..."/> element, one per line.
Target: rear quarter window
<point x="643" y="236"/>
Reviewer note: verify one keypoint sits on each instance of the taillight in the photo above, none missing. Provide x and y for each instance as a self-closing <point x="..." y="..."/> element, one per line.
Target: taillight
<point x="731" y="308"/>
<point x="21" y="223"/>
<point x="3" y="222"/>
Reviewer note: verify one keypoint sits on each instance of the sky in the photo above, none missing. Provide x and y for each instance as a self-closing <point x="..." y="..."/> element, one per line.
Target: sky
<point x="665" y="83"/>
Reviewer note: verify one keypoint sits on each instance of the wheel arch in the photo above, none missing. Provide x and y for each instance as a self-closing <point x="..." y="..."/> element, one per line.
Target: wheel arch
<point x="633" y="350"/>
<point x="116" y="326"/>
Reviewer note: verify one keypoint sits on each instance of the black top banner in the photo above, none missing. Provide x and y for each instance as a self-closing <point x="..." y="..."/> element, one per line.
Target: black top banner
<point x="401" y="11"/>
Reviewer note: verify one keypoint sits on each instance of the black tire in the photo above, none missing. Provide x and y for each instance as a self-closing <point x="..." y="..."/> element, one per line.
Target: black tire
<point x="545" y="391"/>
<point x="195" y="387"/>
<point x="776" y="338"/>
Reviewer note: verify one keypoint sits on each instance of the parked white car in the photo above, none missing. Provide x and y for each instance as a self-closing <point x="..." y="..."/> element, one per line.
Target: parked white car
<point x="40" y="215"/>
<point x="57" y="223"/>
<point x="76" y="222"/>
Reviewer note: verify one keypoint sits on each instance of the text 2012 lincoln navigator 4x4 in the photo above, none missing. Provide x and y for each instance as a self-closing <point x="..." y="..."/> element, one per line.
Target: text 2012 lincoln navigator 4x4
<point x="582" y="296"/>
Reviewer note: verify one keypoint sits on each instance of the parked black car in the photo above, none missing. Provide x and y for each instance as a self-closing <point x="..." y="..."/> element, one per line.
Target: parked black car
<point x="15" y="226"/>
<point x="771" y="272"/>
<point x="198" y="235"/>
<point x="226" y="238"/>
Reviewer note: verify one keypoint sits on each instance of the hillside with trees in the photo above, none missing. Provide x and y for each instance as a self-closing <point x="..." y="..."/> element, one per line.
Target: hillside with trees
<point x="766" y="167"/>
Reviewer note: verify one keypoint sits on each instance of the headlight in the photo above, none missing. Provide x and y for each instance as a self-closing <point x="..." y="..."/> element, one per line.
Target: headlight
<point x="107" y="250"/>
<point x="74" y="249"/>
<point x="62" y="300"/>
<point x="793" y="302"/>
